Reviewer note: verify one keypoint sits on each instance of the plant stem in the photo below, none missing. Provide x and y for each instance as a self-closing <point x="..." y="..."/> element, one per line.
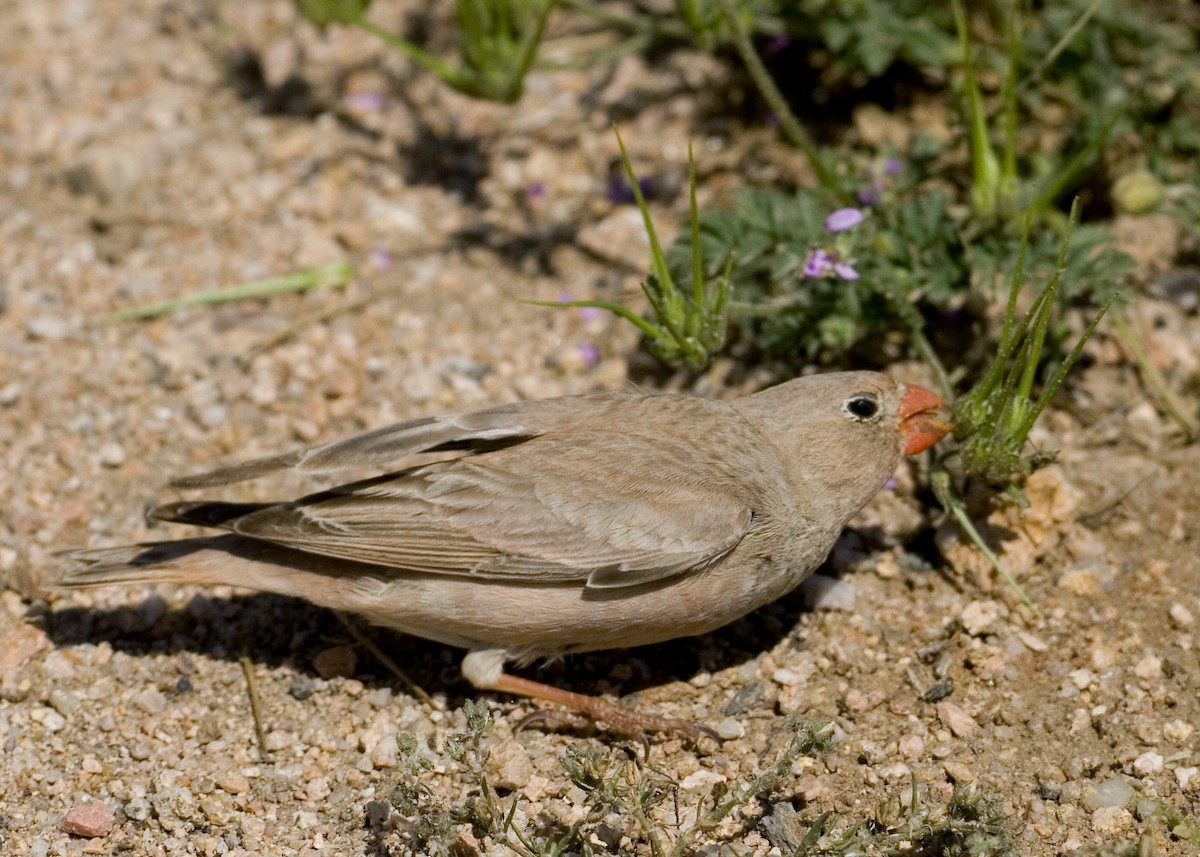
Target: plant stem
<point x="1134" y="343"/>
<point x="333" y="274"/>
<point x="788" y="122"/>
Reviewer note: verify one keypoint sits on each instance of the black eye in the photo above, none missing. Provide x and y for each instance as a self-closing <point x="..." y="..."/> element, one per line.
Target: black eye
<point x="862" y="406"/>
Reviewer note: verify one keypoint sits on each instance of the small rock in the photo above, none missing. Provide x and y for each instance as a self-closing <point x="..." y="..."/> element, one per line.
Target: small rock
<point x="1111" y="819"/>
<point x="1178" y="730"/>
<point x="234" y="784"/>
<point x="63" y="701"/>
<point x="111" y="454"/>
<point x="53" y="721"/>
<point x="1149" y="668"/>
<point x="336" y="662"/>
<point x="137" y="809"/>
<point x="1148" y="764"/>
<point x="1082" y="678"/>
<point x="277" y="740"/>
<point x="150" y="700"/>
<point x="811" y="788"/>
<point x="728" y="729"/>
<point x="702" y="778"/>
<point x="912" y="746"/>
<point x="385" y="753"/>
<point x="91" y="819"/>
<point x="1031" y="642"/>
<point x="1181" y="617"/>
<point x="1112" y="793"/>
<point x="958" y="772"/>
<point x="317" y="789"/>
<point x="981" y="617"/>
<point x="508" y="766"/>
<point x="48" y="327"/>
<point x="956" y="719"/>
<point x="1188" y="778"/>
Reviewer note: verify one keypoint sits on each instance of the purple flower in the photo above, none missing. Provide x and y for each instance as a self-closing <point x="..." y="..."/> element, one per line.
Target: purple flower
<point x="589" y="353"/>
<point x="536" y="190"/>
<point x="778" y="42"/>
<point x="892" y="166"/>
<point x="843" y="219"/>
<point x="589" y="313"/>
<point x="869" y="195"/>
<point x="845" y="270"/>
<point x="817" y="263"/>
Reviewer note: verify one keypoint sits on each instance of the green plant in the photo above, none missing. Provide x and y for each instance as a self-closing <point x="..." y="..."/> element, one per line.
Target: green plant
<point x="687" y="326"/>
<point x="497" y="40"/>
<point x="620" y="785"/>
<point x="969" y="825"/>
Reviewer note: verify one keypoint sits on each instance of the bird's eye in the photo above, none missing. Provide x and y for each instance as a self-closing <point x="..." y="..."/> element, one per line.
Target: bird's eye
<point x="862" y="406"/>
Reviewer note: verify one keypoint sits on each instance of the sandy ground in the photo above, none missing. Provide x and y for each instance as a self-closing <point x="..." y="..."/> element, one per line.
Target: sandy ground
<point x="141" y="160"/>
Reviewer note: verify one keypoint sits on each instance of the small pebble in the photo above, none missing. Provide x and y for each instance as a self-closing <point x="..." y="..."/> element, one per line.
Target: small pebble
<point x="53" y="721"/>
<point x="47" y="327"/>
<point x="912" y="746"/>
<point x="277" y="740"/>
<point x="1111" y="819"/>
<point x="981" y="617"/>
<point x="1082" y="678"/>
<point x="508" y="766"/>
<point x="112" y="455"/>
<point x="151" y="700"/>
<point x="1113" y="792"/>
<point x="956" y="719"/>
<point x="1181" y="617"/>
<point x="1188" y="778"/>
<point x="729" y="728"/>
<point x="64" y="702"/>
<point x="1149" y="668"/>
<point x="234" y="784"/>
<point x="1178" y="730"/>
<point x="137" y="809"/>
<point x="1148" y="764"/>
<point x="91" y="819"/>
<point x="958" y="772"/>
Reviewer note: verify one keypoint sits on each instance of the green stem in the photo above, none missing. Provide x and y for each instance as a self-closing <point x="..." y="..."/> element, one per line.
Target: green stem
<point x="333" y="274"/>
<point x="447" y="72"/>
<point x="1135" y="344"/>
<point x="788" y="122"/>
<point x="946" y="495"/>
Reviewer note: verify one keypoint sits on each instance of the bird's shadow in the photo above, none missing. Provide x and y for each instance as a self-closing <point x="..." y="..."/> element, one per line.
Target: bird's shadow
<point x="278" y="631"/>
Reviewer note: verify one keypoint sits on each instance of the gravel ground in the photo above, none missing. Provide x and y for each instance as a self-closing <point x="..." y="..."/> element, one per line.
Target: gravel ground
<point x="144" y="156"/>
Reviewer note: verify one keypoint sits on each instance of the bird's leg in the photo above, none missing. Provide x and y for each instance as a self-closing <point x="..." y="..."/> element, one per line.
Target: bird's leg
<point x="484" y="668"/>
<point x="624" y="720"/>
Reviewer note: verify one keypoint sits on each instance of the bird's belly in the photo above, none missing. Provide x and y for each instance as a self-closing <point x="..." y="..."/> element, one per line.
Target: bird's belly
<point x="532" y="621"/>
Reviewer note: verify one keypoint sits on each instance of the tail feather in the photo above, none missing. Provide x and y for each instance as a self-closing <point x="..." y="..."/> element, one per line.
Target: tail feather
<point x="204" y="513"/>
<point x="152" y="562"/>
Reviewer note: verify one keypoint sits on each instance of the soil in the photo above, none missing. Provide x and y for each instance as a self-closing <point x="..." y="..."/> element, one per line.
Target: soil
<point x="156" y="149"/>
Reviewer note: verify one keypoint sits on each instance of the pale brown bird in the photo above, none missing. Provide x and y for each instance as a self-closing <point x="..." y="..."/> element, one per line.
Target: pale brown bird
<point x="563" y="525"/>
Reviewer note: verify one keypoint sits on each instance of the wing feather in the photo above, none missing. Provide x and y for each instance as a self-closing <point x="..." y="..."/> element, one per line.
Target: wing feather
<point x="599" y="504"/>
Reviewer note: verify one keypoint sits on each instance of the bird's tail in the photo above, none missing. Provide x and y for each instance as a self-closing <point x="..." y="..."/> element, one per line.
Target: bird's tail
<point x="153" y="562"/>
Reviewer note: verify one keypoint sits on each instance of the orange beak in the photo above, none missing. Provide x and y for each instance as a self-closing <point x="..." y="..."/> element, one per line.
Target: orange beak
<point x="924" y="419"/>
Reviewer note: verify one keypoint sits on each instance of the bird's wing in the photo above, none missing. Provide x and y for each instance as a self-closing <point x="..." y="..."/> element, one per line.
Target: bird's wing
<point x="598" y="507"/>
<point x="470" y="433"/>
